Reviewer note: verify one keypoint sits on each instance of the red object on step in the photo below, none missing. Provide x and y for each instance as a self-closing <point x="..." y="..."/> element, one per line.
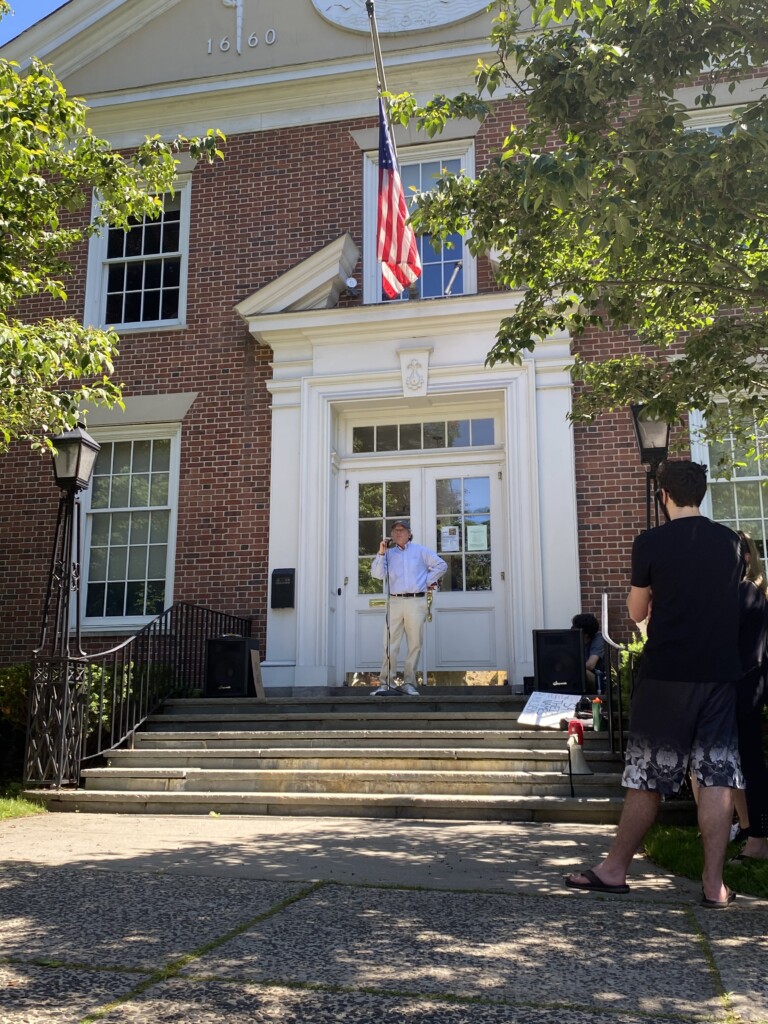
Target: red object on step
<point x="575" y="728"/>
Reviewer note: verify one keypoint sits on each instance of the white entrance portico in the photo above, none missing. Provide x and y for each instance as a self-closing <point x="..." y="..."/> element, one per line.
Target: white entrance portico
<point x="386" y="411"/>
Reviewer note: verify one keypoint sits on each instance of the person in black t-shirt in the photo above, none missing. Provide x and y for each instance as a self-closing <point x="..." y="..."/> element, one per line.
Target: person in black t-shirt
<point x="685" y="581"/>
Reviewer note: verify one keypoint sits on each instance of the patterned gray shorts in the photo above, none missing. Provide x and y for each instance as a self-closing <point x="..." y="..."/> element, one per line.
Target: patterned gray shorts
<point x="675" y="726"/>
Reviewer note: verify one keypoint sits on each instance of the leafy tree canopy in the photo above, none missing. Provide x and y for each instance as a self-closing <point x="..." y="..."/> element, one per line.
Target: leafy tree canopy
<point x="50" y="164"/>
<point x="609" y="205"/>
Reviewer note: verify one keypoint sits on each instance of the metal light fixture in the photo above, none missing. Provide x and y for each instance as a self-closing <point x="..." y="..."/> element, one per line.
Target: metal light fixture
<point x="652" y="436"/>
<point x="75" y="458"/>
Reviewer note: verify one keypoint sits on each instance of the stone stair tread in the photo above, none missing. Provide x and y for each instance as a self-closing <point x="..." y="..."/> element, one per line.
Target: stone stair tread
<point x="389" y="753"/>
<point x="406" y="774"/>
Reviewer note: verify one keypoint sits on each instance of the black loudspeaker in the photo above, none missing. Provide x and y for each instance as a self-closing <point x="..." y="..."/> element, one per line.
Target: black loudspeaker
<point x="558" y="660"/>
<point x="228" y="667"/>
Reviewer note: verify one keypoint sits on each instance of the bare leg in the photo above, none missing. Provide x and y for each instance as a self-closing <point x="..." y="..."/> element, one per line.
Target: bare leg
<point x="715" y="815"/>
<point x="638" y="814"/>
<point x="740" y="803"/>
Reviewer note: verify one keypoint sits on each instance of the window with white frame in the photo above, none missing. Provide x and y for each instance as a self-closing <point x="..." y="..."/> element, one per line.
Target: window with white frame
<point x="130" y="510"/>
<point x="452" y="270"/>
<point x="137" y="278"/>
<point x="741" y="500"/>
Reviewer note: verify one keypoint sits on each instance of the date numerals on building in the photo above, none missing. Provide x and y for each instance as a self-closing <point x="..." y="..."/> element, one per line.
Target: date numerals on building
<point x="226" y="43"/>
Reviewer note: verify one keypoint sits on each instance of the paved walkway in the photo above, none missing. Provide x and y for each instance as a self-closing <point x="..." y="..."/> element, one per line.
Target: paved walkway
<point x="223" y="920"/>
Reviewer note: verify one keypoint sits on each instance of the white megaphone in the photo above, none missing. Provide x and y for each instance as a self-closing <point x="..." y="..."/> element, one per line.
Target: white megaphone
<point x="576" y="763"/>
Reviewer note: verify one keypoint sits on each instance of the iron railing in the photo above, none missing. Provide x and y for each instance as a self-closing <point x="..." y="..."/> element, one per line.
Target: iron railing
<point x="620" y="666"/>
<point x="81" y="707"/>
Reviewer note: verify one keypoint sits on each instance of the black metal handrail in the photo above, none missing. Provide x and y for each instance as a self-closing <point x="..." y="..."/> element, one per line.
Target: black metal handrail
<point x="83" y="707"/>
<point x="619" y="666"/>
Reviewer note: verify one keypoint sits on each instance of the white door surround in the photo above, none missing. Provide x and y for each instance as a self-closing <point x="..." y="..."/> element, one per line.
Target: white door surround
<point x="331" y="365"/>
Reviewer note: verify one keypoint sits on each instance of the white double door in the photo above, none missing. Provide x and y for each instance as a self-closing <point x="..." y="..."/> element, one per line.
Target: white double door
<point x="456" y="509"/>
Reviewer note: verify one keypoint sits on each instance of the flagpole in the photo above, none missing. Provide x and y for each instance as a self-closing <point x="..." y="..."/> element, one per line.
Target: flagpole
<point x="381" y="81"/>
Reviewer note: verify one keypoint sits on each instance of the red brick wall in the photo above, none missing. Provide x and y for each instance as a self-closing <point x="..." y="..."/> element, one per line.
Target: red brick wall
<point x="278" y="198"/>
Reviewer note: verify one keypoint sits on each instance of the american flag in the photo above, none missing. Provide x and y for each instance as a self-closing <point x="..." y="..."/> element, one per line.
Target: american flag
<point x="396" y="249"/>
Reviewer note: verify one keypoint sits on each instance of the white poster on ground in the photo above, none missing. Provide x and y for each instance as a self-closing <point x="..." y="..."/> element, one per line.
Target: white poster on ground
<point x="548" y="709"/>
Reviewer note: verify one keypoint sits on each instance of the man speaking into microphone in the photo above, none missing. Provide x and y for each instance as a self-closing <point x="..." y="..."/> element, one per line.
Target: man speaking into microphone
<point x="409" y="571"/>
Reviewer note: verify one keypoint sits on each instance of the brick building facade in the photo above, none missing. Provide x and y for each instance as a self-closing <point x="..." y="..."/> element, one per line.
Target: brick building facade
<point x="278" y="417"/>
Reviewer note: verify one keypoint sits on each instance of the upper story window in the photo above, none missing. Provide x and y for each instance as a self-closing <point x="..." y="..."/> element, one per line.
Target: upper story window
<point x="451" y="271"/>
<point x="137" y="278"/>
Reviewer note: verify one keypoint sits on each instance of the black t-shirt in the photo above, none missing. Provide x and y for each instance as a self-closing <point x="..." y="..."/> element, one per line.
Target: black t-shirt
<point x="693" y="567"/>
<point x="753" y="626"/>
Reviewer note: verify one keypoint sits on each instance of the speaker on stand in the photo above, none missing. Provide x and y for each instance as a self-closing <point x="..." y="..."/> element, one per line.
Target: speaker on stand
<point x="559" y="663"/>
<point x="228" y="667"/>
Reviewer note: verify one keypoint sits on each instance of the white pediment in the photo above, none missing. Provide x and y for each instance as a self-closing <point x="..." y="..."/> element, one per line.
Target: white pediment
<point x="315" y="283"/>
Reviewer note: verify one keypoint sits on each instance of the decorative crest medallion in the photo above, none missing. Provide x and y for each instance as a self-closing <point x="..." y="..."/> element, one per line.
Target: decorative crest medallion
<point x="396" y="16"/>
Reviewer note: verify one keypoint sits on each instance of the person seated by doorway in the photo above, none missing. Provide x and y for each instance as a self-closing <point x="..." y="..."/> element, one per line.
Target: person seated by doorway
<point x="594" y="644"/>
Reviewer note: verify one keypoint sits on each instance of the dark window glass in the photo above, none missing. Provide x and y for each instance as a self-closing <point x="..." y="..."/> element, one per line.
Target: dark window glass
<point x="410" y="436"/>
<point x="151" y="306"/>
<point x="115" y="309"/>
<point x="153" y="273"/>
<point x="134" y="276"/>
<point x="115" y="243"/>
<point x="94" y="604"/>
<point x="152" y="237"/>
<point x="170" y="238"/>
<point x="155" y="597"/>
<point x="116" y="278"/>
<point x="386" y="439"/>
<point x="132" y="307"/>
<point x="170" y="305"/>
<point x="134" y="604"/>
<point x="115" y="598"/>
<point x="133" y="242"/>
<point x="171" y="273"/>
<point x="434" y="435"/>
<point x="362" y="439"/>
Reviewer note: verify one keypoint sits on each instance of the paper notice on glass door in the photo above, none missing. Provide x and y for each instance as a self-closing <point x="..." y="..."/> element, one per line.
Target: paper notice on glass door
<point x="477" y="538"/>
<point x="449" y="538"/>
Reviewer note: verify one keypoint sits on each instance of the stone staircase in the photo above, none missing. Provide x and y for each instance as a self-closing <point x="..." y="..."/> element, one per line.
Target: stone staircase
<point x="450" y="756"/>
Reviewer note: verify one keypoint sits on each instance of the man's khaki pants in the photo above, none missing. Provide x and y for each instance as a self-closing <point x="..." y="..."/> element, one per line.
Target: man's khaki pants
<point x="406" y="615"/>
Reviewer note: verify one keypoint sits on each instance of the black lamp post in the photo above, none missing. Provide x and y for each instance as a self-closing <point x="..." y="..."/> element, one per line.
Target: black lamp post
<point x="652" y="435"/>
<point x="56" y="717"/>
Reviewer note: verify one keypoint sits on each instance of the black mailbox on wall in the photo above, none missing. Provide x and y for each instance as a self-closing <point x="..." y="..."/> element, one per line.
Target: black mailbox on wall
<point x="283" y="588"/>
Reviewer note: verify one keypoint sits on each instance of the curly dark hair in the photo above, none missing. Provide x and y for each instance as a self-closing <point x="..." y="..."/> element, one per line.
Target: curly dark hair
<point x="587" y="623"/>
<point x="685" y="481"/>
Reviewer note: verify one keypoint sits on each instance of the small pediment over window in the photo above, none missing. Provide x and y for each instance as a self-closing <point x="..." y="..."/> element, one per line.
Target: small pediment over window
<point x="315" y="283"/>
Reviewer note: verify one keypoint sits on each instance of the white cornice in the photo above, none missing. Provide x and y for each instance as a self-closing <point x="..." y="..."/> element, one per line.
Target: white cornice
<point x="412" y="320"/>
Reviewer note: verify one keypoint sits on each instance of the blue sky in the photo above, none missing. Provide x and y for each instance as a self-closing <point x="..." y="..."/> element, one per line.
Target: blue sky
<point x="26" y="13"/>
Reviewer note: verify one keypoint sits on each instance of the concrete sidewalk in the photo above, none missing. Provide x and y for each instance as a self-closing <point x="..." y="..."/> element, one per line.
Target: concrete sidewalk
<point x="180" y="920"/>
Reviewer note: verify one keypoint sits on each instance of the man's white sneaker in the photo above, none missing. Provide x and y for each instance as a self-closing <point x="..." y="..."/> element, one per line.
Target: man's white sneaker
<point x="409" y="689"/>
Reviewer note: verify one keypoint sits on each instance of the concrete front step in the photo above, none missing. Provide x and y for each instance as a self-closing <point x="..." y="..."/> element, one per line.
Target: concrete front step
<point x="350" y="703"/>
<point x="378" y="739"/>
<point x="589" y="810"/>
<point x="394" y="759"/>
<point x="258" y="721"/>
<point x="477" y="783"/>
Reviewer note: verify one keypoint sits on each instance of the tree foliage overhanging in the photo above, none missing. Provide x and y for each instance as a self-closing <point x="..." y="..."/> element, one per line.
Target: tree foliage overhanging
<point x="50" y="165"/>
<point x="608" y="205"/>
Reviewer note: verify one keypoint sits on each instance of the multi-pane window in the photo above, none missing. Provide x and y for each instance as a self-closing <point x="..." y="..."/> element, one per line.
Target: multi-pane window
<point x="428" y="435"/>
<point x="452" y="270"/>
<point x="137" y="278"/>
<point x="130" y="529"/>
<point x="442" y="272"/>
<point x="464" y="531"/>
<point x="740" y="502"/>
<point x="379" y="506"/>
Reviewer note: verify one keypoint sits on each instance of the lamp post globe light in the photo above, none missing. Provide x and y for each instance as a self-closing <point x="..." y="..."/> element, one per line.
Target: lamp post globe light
<point x="58" y="695"/>
<point x="652" y="436"/>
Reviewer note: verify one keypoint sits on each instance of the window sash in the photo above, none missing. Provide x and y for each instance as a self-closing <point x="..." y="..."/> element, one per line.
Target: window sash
<point x="130" y="513"/>
<point x="137" y="280"/>
<point x="438" y="268"/>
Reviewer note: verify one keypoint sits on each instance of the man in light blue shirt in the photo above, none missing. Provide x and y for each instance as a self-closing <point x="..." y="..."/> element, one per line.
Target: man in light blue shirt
<point x="409" y="571"/>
